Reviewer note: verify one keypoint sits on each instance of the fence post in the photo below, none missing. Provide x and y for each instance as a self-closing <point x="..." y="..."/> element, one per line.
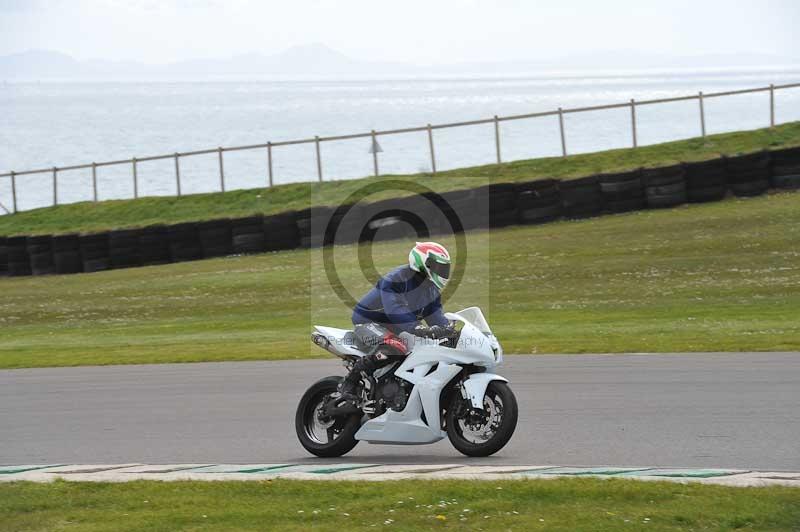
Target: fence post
<point x="561" y="128"/>
<point x="433" y="153"/>
<point x="177" y="174"/>
<point x="55" y="186"/>
<point x="497" y="137"/>
<point x="374" y="153"/>
<point x="94" y="181"/>
<point x="702" y="115"/>
<point x="135" y="180"/>
<point x="221" y="170"/>
<point x="771" y="105"/>
<point x="269" y="161"/>
<point x="14" y="190"/>
<point x="633" y="122"/>
<point x="319" y="161"/>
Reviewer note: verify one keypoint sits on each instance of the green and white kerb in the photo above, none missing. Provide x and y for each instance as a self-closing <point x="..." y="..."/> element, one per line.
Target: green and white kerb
<point x="432" y="259"/>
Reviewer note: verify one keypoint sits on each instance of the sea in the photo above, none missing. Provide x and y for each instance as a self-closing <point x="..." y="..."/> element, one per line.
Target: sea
<point x="56" y="124"/>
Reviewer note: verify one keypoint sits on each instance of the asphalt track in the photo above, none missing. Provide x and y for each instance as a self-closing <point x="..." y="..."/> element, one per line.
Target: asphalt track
<point x="683" y="410"/>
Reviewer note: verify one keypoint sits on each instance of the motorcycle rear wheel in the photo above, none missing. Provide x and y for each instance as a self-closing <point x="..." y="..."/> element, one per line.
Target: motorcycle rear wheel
<point x="326" y="438"/>
<point x="476" y="432"/>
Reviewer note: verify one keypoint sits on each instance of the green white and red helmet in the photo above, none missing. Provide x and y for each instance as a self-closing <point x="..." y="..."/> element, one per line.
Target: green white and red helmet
<point x="433" y="260"/>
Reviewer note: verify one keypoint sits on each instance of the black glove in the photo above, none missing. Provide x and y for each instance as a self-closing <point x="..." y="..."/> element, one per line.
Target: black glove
<point x="436" y="331"/>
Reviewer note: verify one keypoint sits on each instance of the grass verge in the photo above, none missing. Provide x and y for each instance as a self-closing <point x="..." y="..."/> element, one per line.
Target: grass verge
<point x="563" y="504"/>
<point x="87" y="217"/>
<point x="715" y="277"/>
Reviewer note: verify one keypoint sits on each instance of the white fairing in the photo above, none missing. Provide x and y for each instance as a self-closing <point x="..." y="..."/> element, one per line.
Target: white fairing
<point x="339" y="342"/>
<point x="476" y="385"/>
<point x="420" y="422"/>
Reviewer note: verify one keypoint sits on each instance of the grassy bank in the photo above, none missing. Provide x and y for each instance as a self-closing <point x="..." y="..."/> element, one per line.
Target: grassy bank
<point x="105" y="215"/>
<point x="566" y="504"/>
<point x="715" y="277"/>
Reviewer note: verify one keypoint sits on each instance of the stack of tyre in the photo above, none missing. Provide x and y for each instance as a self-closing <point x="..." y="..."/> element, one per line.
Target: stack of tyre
<point x="785" y="168"/>
<point x="123" y="248"/>
<point x="281" y="231"/>
<point x="312" y="224"/>
<point x="215" y="238"/>
<point x="67" y="253"/>
<point x="247" y="235"/>
<point x="154" y="246"/>
<point x="463" y="210"/>
<point x="501" y="202"/>
<point x="748" y="175"/>
<point x="664" y="186"/>
<point x="94" y="252"/>
<point x="348" y="224"/>
<point x="538" y="201"/>
<point x="706" y="180"/>
<point x="581" y="198"/>
<point x="40" y="254"/>
<point x="622" y="192"/>
<point x="3" y="256"/>
<point x="184" y="242"/>
<point x="385" y="220"/>
<point x="17" y="251"/>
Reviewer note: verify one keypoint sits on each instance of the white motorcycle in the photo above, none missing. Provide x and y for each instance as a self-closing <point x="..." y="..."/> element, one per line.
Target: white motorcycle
<point x="443" y="387"/>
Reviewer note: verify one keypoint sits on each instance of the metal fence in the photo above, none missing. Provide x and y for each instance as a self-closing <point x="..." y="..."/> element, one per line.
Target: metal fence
<point x="373" y="135"/>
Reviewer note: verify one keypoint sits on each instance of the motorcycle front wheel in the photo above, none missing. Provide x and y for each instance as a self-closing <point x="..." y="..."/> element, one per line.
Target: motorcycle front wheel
<point x="476" y="432"/>
<point x="326" y="437"/>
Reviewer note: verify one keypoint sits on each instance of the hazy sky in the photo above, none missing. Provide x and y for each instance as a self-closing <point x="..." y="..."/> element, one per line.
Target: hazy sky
<point x="416" y="31"/>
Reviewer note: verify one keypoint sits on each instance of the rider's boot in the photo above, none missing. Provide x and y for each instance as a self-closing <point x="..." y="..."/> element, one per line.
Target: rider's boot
<point x="367" y="365"/>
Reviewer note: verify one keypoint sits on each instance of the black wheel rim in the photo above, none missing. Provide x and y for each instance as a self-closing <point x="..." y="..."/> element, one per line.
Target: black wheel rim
<point x="320" y="429"/>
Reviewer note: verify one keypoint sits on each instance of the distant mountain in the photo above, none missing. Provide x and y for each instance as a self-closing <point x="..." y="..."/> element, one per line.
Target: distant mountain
<point x="35" y="63"/>
<point x="316" y="61"/>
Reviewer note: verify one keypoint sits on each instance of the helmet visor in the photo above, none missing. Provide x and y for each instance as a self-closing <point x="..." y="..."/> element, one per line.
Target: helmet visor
<point x="442" y="270"/>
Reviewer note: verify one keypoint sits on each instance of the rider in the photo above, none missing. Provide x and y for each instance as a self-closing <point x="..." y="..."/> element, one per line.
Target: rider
<point x="399" y="302"/>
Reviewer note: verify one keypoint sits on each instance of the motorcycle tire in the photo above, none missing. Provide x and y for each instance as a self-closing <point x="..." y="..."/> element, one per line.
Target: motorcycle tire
<point x="508" y="423"/>
<point x="345" y="429"/>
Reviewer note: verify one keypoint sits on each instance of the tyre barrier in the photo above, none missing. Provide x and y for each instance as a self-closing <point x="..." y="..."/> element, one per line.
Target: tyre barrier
<point x="350" y="220"/>
<point x="470" y="207"/>
<point x="502" y="203"/>
<point x="123" y="248"/>
<point x="154" y="245"/>
<point x="184" y="242"/>
<point x="247" y="235"/>
<point x="67" y="253"/>
<point x="785" y="168"/>
<point x="622" y="192"/>
<point x="281" y="231"/>
<point x="311" y="225"/>
<point x="538" y="201"/>
<point x="17" y="251"/>
<point x="664" y="186"/>
<point x="94" y="252"/>
<point x="3" y="256"/>
<point x="581" y="198"/>
<point x="215" y="238"/>
<point x="40" y="253"/>
<point x="391" y="219"/>
<point x="748" y="175"/>
<point x="706" y="180"/>
<point x="428" y="214"/>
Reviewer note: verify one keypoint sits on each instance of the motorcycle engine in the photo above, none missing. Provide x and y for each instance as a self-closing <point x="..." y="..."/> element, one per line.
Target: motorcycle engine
<point x="393" y="394"/>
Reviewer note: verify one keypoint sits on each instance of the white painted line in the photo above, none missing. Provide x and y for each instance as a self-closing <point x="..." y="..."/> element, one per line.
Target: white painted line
<point x="376" y="472"/>
<point x="91" y="468"/>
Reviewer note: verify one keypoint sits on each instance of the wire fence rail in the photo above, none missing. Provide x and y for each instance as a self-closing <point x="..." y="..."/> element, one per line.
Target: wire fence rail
<point x="428" y="129"/>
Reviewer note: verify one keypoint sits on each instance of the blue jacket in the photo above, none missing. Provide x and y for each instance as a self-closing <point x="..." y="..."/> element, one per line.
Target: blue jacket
<point x="400" y="301"/>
